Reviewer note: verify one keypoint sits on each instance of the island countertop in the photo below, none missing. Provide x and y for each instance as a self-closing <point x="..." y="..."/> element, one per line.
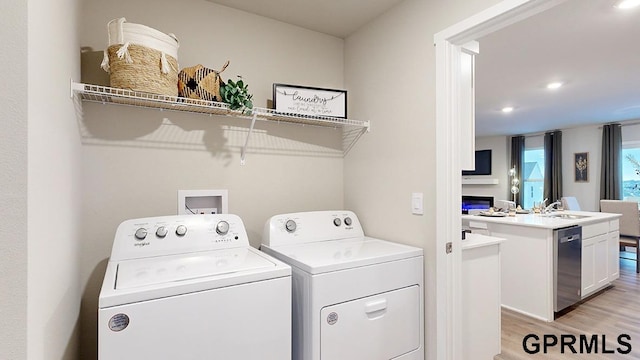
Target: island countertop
<point x="528" y="255"/>
<point x="546" y="221"/>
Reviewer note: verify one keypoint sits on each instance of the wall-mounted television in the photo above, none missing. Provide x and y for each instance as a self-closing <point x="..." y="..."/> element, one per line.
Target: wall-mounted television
<point x="483" y="164"/>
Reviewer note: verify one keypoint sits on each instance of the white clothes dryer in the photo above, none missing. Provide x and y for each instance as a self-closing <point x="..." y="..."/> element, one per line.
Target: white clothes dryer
<point x="190" y="287"/>
<point x="354" y="297"/>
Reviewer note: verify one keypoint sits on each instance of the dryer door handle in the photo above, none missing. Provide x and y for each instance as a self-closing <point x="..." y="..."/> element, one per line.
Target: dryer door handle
<point x="376" y="308"/>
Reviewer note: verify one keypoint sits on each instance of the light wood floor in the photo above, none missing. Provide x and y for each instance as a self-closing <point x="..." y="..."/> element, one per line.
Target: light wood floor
<point x="612" y="312"/>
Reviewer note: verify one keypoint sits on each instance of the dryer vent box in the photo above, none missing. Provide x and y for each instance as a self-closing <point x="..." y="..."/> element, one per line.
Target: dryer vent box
<point x="198" y="202"/>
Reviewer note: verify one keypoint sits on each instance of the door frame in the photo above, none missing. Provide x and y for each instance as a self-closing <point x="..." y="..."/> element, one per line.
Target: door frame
<point x="448" y="44"/>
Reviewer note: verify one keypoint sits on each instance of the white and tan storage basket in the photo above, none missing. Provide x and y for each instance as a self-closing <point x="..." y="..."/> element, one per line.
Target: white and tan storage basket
<point x="141" y="58"/>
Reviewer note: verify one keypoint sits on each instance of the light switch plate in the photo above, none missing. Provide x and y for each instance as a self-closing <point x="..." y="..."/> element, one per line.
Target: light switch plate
<point x="417" y="207"/>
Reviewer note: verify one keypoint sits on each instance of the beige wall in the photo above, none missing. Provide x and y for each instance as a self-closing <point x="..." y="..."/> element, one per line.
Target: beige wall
<point x="390" y="70"/>
<point x="135" y="160"/>
<point x="54" y="181"/>
<point x="13" y="182"/>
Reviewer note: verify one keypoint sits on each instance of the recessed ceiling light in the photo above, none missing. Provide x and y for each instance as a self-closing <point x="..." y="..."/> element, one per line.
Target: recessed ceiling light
<point x="628" y="4"/>
<point x="507" y="109"/>
<point x="554" y="85"/>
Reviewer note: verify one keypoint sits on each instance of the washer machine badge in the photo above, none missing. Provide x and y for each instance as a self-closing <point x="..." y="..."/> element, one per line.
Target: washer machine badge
<point x="332" y="318"/>
<point x="118" y="322"/>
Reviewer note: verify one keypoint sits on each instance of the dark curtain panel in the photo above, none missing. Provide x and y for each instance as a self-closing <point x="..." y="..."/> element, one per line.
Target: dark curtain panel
<point x="553" y="166"/>
<point x="611" y="169"/>
<point x="517" y="163"/>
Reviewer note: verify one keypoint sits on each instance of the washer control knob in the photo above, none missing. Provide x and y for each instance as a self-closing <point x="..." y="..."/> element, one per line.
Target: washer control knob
<point x="290" y="225"/>
<point x="222" y="228"/>
<point x="181" y="230"/>
<point x="348" y="221"/>
<point x="161" y="231"/>
<point x="337" y="222"/>
<point x="141" y="233"/>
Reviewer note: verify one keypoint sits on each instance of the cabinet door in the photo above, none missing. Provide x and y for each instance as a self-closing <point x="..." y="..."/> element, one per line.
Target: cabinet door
<point x="467" y="108"/>
<point x="614" y="255"/>
<point x="601" y="261"/>
<point x="588" y="265"/>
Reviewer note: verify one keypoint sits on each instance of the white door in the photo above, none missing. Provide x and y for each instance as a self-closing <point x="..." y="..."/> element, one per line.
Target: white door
<point x="378" y="327"/>
<point x="248" y="321"/>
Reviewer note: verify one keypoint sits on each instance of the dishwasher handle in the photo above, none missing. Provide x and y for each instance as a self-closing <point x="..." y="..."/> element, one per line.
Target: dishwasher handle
<point x="569" y="238"/>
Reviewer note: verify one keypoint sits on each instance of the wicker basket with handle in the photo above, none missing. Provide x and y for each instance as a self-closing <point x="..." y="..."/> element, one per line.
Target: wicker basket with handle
<point x="141" y="58"/>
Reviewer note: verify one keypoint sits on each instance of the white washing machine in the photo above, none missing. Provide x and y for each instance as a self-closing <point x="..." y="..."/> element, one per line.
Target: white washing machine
<point x="190" y="287"/>
<point x="354" y="297"/>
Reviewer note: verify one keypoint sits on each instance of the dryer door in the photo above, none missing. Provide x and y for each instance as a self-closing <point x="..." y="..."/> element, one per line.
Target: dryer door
<point x="382" y="326"/>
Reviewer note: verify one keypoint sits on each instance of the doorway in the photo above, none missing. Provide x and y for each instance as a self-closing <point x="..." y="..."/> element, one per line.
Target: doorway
<point x="449" y="157"/>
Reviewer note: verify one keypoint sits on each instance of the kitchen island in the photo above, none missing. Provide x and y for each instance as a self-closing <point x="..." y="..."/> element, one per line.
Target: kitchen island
<point x="528" y="255"/>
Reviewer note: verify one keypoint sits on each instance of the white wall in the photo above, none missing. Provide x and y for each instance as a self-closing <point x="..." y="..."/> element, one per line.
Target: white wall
<point x="631" y="133"/>
<point x="54" y="181"/>
<point x="13" y="181"/>
<point x="390" y="73"/>
<point x="574" y="140"/>
<point x="135" y="160"/>
<point x="499" y="146"/>
<point x="582" y="139"/>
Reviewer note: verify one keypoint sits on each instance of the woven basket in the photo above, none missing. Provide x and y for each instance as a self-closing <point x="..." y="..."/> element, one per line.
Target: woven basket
<point x="199" y="82"/>
<point x="140" y="58"/>
<point x="144" y="73"/>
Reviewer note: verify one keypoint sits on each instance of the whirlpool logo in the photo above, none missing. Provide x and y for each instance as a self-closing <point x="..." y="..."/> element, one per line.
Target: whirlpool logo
<point x="576" y="344"/>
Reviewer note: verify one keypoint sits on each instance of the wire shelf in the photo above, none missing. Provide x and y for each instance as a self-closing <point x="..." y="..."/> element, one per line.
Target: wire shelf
<point x="351" y="129"/>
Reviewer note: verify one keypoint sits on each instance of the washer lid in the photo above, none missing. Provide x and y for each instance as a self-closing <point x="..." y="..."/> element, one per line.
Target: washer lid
<point x="326" y="256"/>
<point x="175" y="268"/>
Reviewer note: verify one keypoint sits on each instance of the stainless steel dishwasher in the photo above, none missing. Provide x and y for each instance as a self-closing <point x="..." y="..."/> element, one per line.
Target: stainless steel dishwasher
<point x="567" y="265"/>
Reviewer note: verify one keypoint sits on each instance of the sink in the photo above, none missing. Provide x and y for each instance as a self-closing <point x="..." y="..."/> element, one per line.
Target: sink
<point x="568" y="216"/>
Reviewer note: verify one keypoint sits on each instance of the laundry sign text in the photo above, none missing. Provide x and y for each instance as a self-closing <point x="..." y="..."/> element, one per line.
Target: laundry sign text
<point x="309" y="101"/>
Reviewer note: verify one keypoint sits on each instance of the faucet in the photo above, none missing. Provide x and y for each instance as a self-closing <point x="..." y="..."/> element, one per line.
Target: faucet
<point x="549" y="208"/>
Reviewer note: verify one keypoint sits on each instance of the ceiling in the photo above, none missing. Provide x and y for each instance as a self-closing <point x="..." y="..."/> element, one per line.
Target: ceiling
<point x="589" y="45"/>
<point x="334" y="17"/>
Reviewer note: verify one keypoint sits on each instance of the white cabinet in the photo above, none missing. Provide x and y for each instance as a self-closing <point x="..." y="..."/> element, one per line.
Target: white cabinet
<point x="601" y="268"/>
<point x="600" y="253"/>
<point x="467" y="106"/>
<point x="481" y="289"/>
<point x="588" y="264"/>
<point x="614" y="254"/>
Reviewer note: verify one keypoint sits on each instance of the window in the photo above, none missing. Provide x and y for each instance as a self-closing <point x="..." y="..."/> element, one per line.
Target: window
<point x="532" y="176"/>
<point x="631" y="172"/>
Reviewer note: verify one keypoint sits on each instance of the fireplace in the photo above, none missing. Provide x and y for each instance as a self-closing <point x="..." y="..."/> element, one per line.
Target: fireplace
<point x="476" y="203"/>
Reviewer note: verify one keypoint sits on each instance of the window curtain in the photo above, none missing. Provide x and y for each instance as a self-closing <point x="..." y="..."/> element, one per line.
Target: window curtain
<point x="611" y="169"/>
<point x="553" y="166"/>
<point x="517" y="163"/>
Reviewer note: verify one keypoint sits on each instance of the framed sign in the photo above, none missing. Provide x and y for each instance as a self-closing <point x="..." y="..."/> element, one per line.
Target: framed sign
<point x="581" y="166"/>
<point x="303" y="100"/>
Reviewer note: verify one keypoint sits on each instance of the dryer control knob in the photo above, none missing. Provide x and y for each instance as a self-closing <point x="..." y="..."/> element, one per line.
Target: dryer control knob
<point x="290" y="225"/>
<point x="222" y="228"/>
<point x="348" y="221"/>
<point x="181" y="230"/>
<point x="161" y="231"/>
<point x="141" y="233"/>
<point x="337" y="222"/>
